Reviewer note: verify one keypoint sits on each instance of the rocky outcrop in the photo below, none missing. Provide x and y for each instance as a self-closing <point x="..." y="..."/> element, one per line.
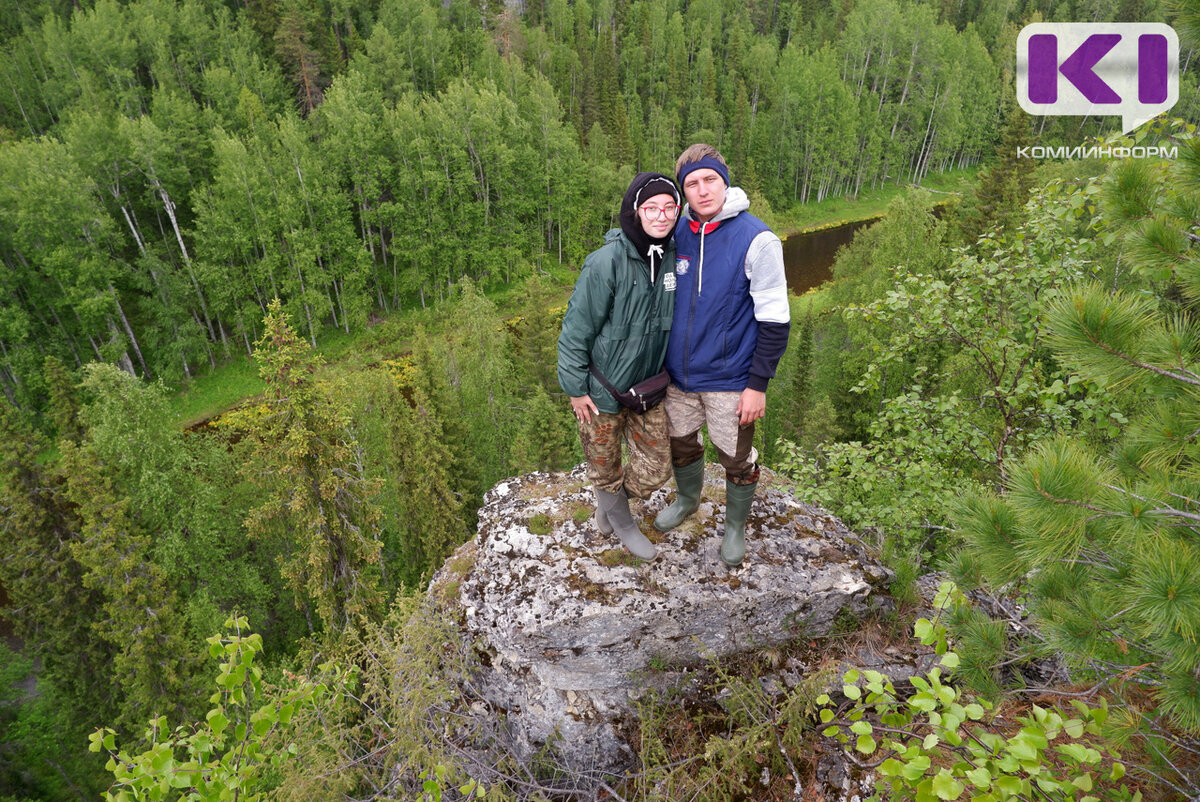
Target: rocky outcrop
<point x="569" y="630"/>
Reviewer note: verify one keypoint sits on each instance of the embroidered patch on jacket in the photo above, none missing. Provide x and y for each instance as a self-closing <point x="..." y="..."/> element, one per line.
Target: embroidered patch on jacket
<point x="682" y="264"/>
<point x="669" y="282"/>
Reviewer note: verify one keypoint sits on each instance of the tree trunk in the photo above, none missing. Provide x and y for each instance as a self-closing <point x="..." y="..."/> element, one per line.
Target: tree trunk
<point x="169" y="207"/>
<point x="129" y="332"/>
<point x="330" y="290"/>
<point x="904" y="92"/>
<point x="124" y="363"/>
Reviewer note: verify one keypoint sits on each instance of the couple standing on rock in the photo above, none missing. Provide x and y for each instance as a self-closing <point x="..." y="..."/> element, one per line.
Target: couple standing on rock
<point x="708" y="297"/>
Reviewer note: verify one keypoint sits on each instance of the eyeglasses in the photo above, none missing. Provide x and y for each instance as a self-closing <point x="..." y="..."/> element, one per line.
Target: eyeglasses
<point x="654" y="212"/>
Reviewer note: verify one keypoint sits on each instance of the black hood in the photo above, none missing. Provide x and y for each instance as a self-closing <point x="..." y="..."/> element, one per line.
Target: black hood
<point x="644" y="186"/>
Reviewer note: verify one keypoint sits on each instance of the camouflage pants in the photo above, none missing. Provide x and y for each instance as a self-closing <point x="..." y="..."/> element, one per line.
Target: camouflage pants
<point x="687" y="412"/>
<point x="645" y="436"/>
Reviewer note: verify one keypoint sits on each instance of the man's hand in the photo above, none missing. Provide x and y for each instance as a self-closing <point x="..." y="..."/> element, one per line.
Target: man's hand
<point x="583" y="407"/>
<point x="751" y="406"/>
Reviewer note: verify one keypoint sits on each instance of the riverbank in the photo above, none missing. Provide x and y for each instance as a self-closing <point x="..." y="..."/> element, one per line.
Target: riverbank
<point x="837" y="211"/>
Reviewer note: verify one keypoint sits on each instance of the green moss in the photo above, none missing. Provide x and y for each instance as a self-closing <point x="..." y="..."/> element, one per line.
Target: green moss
<point x="589" y="589"/>
<point x="461" y="564"/>
<point x="614" y="557"/>
<point x="540" y="524"/>
<point x="581" y="515"/>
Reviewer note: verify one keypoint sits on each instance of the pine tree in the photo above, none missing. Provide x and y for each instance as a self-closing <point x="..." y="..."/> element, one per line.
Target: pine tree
<point x="1107" y="535"/>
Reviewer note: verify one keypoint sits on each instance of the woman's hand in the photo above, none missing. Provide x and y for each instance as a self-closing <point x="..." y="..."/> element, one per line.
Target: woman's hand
<point x="583" y="407"/>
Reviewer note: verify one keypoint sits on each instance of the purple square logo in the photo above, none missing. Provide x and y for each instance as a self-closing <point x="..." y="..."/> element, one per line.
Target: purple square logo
<point x="1078" y="68"/>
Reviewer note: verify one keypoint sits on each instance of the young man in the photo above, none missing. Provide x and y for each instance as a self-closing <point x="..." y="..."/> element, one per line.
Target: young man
<point x="731" y="327"/>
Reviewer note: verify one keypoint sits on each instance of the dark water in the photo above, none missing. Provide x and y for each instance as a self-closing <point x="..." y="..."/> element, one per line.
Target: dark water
<point x="808" y="257"/>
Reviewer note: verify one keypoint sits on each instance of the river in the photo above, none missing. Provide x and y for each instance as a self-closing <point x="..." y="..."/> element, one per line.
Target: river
<point x="808" y="256"/>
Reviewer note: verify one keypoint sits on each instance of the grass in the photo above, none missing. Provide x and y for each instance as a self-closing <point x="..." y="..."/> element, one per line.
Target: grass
<point x="814" y="302"/>
<point x="209" y="394"/>
<point x="611" y="558"/>
<point x="216" y="391"/>
<point x="869" y="203"/>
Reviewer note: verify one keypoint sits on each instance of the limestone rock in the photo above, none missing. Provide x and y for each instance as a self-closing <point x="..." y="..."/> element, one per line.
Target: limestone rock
<point x="570" y="630"/>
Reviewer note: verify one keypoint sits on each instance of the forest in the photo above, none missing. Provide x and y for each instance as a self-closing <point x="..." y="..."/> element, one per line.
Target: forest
<point x="362" y="221"/>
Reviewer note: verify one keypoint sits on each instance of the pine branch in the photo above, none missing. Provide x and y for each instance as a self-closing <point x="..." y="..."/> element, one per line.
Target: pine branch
<point x="1100" y="512"/>
<point x="1090" y="563"/>
<point x="1190" y="516"/>
<point x="1185" y="376"/>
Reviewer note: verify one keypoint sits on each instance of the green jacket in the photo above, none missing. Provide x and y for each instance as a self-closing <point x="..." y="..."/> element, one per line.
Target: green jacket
<point x="616" y="320"/>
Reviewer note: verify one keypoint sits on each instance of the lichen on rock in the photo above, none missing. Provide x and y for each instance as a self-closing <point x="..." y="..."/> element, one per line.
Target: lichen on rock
<point x="570" y="632"/>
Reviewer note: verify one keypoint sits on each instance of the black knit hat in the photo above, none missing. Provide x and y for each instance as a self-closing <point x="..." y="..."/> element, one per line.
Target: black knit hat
<point x="643" y="187"/>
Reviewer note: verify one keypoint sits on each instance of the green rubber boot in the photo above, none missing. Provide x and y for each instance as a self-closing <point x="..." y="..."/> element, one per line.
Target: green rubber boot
<point x="688" y="479"/>
<point x="616" y="510"/>
<point x="738" y="499"/>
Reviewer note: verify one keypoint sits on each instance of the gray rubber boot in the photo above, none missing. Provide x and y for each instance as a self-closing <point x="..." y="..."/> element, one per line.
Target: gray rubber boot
<point x="738" y="499"/>
<point x="601" y="519"/>
<point x="616" y="510"/>
<point x="688" y="480"/>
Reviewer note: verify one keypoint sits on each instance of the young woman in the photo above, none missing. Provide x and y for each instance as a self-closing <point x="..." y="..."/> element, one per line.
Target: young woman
<point x="615" y="334"/>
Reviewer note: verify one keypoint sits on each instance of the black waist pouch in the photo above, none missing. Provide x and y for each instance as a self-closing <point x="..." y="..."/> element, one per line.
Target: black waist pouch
<point x="641" y="397"/>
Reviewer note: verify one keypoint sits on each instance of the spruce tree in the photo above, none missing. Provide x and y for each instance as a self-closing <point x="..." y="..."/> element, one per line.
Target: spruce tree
<point x="51" y="610"/>
<point x="138" y="614"/>
<point x="63" y="411"/>
<point x="320" y="509"/>
<point x="1004" y="186"/>
<point x="544" y="440"/>
<point x="423" y="517"/>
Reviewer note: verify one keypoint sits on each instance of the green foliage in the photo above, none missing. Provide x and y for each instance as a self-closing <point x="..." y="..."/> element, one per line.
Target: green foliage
<point x="944" y="744"/>
<point x="138" y="613"/>
<point x="544" y="439"/>
<point x="320" y="510"/>
<point x="63" y="412"/>
<point x="910" y="237"/>
<point x="52" y="610"/>
<point x="168" y="168"/>
<point x="964" y="344"/>
<point x="35" y="722"/>
<point x="1101" y="536"/>
<point x="244" y="737"/>
<point x="434" y="785"/>
<point x="1005" y="186"/>
<point x="405" y="450"/>
<point x="721" y="751"/>
<point x="469" y="377"/>
<point x="391" y="732"/>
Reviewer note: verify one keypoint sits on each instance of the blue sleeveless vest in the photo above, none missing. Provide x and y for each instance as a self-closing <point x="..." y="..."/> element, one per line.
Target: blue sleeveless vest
<point x="714" y="332"/>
